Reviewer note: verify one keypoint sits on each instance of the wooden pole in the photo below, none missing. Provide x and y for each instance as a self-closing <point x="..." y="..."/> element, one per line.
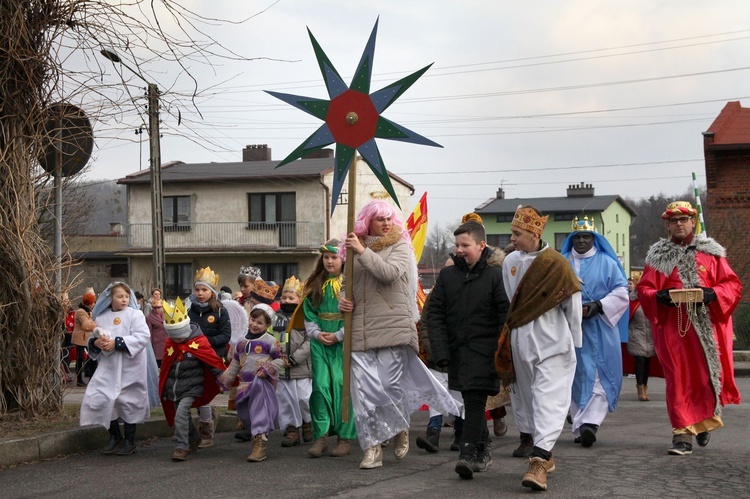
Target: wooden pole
<point x="349" y="284"/>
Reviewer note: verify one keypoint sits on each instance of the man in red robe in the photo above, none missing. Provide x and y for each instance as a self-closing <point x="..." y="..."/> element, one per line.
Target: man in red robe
<point x="693" y="339"/>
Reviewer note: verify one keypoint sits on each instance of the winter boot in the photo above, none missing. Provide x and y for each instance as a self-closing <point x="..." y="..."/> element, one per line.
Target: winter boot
<point x="307" y="433"/>
<point x="499" y="427"/>
<point x="291" y="437"/>
<point x="401" y="444"/>
<point x="536" y="477"/>
<point x="373" y="458"/>
<point x="343" y="448"/>
<point x="128" y="446"/>
<point x="588" y="434"/>
<point x="466" y="460"/>
<point x="259" y="449"/>
<point x="319" y="447"/>
<point x="527" y="445"/>
<point x="484" y="458"/>
<point x="642" y="393"/>
<point x="115" y="438"/>
<point x="431" y="441"/>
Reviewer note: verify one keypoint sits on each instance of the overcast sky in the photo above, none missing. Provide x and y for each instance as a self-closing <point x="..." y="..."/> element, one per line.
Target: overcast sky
<point x="530" y="96"/>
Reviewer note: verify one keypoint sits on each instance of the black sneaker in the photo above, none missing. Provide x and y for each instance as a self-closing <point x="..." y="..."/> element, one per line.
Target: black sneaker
<point x="465" y="466"/>
<point x="681" y="449"/>
<point x="588" y="435"/>
<point x="483" y="460"/>
<point x="702" y="438"/>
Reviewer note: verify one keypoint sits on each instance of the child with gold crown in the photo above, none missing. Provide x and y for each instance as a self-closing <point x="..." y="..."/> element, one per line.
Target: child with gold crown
<point x="212" y="317"/>
<point x="188" y="376"/>
<point x="295" y="383"/>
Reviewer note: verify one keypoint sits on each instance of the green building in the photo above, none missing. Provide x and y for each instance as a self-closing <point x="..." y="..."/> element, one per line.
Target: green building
<point x="611" y="216"/>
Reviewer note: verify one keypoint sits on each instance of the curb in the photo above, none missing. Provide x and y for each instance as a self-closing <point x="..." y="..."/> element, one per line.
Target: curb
<point x="15" y="451"/>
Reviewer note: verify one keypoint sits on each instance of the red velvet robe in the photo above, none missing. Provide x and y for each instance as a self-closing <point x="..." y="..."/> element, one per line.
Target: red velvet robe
<point x="689" y="391"/>
<point x="201" y="349"/>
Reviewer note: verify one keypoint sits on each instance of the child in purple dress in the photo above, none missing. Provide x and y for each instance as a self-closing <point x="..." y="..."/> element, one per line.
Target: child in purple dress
<point x="256" y="360"/>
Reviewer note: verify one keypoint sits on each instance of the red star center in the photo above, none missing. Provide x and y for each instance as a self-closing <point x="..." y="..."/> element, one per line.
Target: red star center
<point x="352" y="135"/>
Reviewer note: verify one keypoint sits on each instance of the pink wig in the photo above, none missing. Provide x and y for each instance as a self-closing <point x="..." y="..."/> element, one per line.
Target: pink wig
<point x="374" y="209"/>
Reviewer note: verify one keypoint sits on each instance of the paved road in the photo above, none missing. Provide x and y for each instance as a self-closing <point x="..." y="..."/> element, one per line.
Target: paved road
<point x="628" y="460"/>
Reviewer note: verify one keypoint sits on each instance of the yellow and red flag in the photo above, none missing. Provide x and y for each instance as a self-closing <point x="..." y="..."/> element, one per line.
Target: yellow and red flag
<point x="416" y="224"/>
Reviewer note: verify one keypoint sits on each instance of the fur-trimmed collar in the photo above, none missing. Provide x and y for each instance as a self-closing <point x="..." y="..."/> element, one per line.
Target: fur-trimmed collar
<point x="383" y="242"/>
<point x="664" y="254"/>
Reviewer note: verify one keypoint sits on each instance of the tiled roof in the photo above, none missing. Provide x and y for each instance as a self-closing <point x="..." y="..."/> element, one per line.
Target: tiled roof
<point x="555" y="205"/>
<point x="731" y="126"/>
<point x="178" y="171"/>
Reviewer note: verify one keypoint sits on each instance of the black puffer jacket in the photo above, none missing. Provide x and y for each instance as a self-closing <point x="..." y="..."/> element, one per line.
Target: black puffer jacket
<point x="466" y="312"/>
<point x="186" y="377"/>
<point x="215" y="325"/>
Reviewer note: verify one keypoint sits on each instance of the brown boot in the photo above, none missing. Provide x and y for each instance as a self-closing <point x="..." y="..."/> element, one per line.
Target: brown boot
<point x="291" y="437"/>
<point x="307" y="433"/>
<point x="343" y="448"/>
<point x="319" y="447"/>
<point x="206" y="430"/>
<point x="259" y="449"/>
<point x="179" y="455"/>
<point x="642" y="393"/>
<point x="536" y="477"/>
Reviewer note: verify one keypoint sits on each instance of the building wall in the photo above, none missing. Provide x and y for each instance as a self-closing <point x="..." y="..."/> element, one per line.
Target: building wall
<point x="95" y="273"/>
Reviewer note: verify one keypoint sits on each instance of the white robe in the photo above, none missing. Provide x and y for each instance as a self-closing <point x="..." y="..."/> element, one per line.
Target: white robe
<point x="118" y="387"/>
<point x="544" y="359"/>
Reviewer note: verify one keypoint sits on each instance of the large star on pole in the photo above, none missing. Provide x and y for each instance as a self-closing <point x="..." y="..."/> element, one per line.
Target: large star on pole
<point x="352" y="117"/>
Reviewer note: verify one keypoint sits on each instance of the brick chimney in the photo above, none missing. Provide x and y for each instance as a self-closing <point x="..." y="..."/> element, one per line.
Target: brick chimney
<point x="581" y="190"/>
<point x="319" y="154"/>
<point x="256" y="152"/>
<point x="500" y="193"/>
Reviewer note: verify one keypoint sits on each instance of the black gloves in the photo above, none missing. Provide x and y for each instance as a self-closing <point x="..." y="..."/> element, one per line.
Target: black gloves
<point x="662" y="296"/>
<point x="709" y="295"/>
<point x="592" y="309"/>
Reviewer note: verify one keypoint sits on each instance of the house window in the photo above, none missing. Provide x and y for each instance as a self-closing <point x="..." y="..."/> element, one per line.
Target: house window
<point x="178" y="280"/>
<point x="118" y="270"/>
<point x="561" y="217"/>
<point x="560" y="238"/>
<point x="278" y="273"/>
<point x="498" y="240"/>
<point x="617" y="217"/>
<point x="176" y="213"/>
<point x="505" y="217"/>
<point x="271" y="208"/>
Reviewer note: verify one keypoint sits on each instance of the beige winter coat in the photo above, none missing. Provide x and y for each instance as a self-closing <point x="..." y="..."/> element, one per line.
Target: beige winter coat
<point x="385" y="312"/>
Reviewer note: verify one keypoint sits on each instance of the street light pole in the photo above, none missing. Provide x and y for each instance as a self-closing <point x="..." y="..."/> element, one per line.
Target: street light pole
<point x="157" y="204"/>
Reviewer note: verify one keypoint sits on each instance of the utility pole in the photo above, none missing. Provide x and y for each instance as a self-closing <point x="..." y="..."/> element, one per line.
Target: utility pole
<point x="157" y="203"/>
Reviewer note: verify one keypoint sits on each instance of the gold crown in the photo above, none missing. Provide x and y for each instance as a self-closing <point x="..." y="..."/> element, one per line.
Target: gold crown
<point x="208" y="276"/>
<point x="527" y="219"/>
<point x="175" y="313"/>
<point x="678" y="208"/>
<point x="264" y="290"/>
<point x="584" y="225"/>
<point x="471" y="217"/>
<point x="292" y="285"/>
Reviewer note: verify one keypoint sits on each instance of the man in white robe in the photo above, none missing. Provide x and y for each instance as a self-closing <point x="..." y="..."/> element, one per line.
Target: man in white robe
<point x="543" y="349"/>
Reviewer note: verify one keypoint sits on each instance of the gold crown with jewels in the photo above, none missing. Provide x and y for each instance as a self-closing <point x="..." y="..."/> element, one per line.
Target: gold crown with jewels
<point x="584" y="225"/>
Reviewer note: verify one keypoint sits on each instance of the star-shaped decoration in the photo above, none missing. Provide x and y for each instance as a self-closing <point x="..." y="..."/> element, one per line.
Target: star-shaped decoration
<point x="170" y="351"/>
<point x="353" y="118"/>
<point x="194" y="345"/>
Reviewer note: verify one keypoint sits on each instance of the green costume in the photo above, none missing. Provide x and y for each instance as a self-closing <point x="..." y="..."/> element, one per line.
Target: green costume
<point x="328" y="365"/>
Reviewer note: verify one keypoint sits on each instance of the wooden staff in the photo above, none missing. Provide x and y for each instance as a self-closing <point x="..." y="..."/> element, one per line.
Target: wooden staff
<point x="351" y="217"/>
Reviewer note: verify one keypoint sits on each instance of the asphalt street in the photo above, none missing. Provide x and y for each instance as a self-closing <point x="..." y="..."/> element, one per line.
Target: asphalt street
<point x="629" y="459"/>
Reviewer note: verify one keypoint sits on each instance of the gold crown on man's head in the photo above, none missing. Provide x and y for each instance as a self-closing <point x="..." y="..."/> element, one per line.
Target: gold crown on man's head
<point x="174" y="313"/>
<point x="584" y="225"/>
<point x="527" y="218"/>
<point x="208" y="276"/>
<point x="677" y="208"/>
<point x="292" y="285"/>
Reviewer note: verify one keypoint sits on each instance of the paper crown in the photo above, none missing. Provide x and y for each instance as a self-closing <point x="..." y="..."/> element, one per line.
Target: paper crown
<point x="207" y="276"/>
<point x="250" y="271"/>
<point x="584" y="225"/>
<point x="678" y="208"/>
<point x="292" y="285"/>
<point x="264" y="291"/>
<point x="471" y="217"/>
<point x="526" y="218"/>
<point x="174" y="313"/>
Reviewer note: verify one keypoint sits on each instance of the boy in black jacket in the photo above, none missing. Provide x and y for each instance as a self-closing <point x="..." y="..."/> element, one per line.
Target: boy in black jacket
<point x="188" y="376"/>
<point x="465" y="316"/>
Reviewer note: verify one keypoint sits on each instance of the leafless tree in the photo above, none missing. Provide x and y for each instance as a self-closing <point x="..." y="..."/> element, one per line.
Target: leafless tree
<point x="49" y="52"/>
